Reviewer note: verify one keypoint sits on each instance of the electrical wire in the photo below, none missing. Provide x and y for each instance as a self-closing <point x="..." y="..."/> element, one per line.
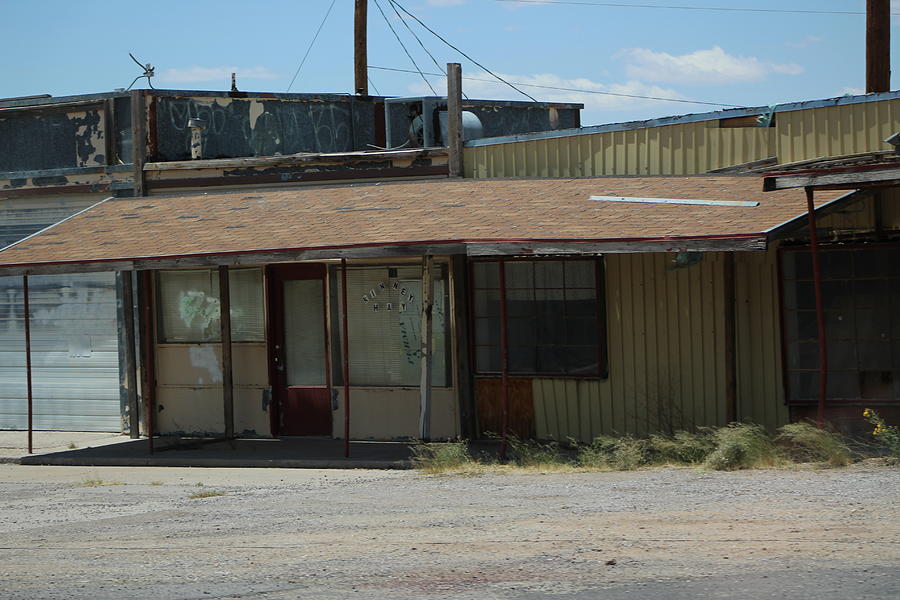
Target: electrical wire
<point x="708" y="8"/>
<point x="315" y="37"/>
<point x="472" y="60"/>
<point x="372" y="83"/>
<point x="402" y="45"/>
<point x="413" y="33"/>
<point x="579" y="90"/>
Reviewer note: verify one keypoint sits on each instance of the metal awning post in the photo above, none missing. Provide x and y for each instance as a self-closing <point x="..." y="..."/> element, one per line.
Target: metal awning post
<point x="820" y="306"/>
<point x="345" y="357"/>
<point x="504" y="366"/>
<point x="27" y="308"/>
<point x="426" y="362"/>
<point x="227" y="375"/>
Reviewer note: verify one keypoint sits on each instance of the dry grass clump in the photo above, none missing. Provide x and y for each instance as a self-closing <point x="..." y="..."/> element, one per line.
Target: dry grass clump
<point x="99" y="483"/>
<point x="741" y="446"/>
<point x="440" y="457"/>
<point x="804" y="442"/>
<point x="207" y="494"/>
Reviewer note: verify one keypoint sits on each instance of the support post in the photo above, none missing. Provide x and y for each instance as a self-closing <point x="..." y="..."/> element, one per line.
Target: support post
<point x="345" y="357"/>
<point x="227" y="374"/>
<point x="128" y="354"/>
<point x="27" y="308"/>
<point x="360" y="58"/>
<point x="138" y="141"/>
<point x="730" y="340"/>
<point x="427" y="339"/>
<point x="820" y="306"/>
<point x="148" y="378"/>
<point x="878" y="46"/>
<point x="504" y="367"/>
<point x="454" y="119"/>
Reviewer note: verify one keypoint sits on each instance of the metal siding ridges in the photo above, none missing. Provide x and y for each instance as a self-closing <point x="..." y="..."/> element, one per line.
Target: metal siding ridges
<point x="695" y="147"/>
<point x="760" y="391"/>
<point x="74" y="350"/>
<point x="666" y="349"/>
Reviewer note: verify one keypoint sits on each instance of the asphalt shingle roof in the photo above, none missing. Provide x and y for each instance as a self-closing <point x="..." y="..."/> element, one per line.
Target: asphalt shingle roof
<point x="433" y="211"/>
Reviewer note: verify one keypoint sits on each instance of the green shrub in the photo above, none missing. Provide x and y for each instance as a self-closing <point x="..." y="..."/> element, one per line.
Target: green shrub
<point x="804" y="442"/>
<point x="438" y="457"/>
<point x="532" y="453"/>
<point x="620" y="453"/>
<point x="741" y="446"/>
<point x="887" y="436"/>
<point x="684" y="448"/>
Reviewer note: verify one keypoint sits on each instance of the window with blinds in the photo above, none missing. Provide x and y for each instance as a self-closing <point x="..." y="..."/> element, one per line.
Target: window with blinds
<point x="189" y="308"/>
<point x="384" y="314"/>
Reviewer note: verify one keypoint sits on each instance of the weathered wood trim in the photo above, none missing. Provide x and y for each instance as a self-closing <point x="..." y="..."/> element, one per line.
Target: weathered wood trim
<point x="615" y="247"/>
<point x="847" y="180"/>
<point x="293" y="159"/>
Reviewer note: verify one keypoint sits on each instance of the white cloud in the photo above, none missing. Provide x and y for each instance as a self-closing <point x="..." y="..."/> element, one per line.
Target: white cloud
<point x="223" y="74"/>
<point x="712" y="66"/>
<point x="483" y="86"/>
<point x="807" y="41"/>
<point x="851" y="91"/>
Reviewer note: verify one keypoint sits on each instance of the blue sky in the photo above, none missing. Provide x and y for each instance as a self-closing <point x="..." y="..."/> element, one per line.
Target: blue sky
<point x="736" y="58"/>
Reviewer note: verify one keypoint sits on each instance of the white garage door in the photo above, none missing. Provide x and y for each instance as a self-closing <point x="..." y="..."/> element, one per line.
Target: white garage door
<point x="74" y="343"/>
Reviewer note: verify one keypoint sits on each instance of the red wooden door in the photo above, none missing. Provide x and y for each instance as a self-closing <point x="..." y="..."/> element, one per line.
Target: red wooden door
<point x="298" y="350"/>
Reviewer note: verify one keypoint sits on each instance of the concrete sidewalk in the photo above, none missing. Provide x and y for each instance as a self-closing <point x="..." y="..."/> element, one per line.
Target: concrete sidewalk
<point x="108" y="449"/>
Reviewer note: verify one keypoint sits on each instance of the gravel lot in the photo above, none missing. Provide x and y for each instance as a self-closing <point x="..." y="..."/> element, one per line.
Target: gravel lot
<point x="668" y="533"/>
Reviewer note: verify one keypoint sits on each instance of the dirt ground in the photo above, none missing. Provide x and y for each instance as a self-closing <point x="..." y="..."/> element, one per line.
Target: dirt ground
<point x="78" y="532"/>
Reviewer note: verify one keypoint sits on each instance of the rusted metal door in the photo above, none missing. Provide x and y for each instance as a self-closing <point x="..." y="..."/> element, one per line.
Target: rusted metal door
<point x="298" y="350"/>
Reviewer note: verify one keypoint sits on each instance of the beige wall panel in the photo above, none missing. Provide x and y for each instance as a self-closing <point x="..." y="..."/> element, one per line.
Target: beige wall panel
<point x="199" y="410"/>
<point x="666" y="354"/>
<point x="201" y="364"/>
<point x="836" y="130"/>
<point x="759" y="374"/>
<point x="391" y="413"/>
<point x="690" y="148"/>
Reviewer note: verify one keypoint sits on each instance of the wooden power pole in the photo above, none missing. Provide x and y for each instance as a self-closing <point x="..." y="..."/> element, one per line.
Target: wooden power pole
<point x="360" y="57"/>
<point x="878" y="46"/>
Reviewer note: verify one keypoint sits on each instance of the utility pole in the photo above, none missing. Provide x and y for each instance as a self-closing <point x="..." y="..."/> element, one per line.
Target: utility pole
<point x="360" y="57"/>
<point x="878" y="46"/>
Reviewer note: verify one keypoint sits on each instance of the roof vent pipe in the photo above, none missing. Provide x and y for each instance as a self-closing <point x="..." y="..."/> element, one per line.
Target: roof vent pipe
<point x="197" y="126"/>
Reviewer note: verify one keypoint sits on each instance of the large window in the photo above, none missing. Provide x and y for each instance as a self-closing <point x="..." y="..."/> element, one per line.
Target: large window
<point x="861" y="294"/>
<point x="555" y="317"/>
<point x="189" y="307"/>
<point x="384" y="314"/>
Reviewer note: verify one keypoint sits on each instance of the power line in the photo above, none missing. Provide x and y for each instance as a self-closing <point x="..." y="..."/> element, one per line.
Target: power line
<point x="472" y="60"/>
<point x="708" y="8"/>
<point x="315" y="37"/>
<point x="399" y="41"/>
<point x="579" y="90"/>
<point x="413" y="33"/>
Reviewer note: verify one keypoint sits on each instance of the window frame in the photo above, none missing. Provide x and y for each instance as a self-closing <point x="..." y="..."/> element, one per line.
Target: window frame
<point x="782" y="253"/>
<point x="158" y="305"/>
<point x="602" y="328"/>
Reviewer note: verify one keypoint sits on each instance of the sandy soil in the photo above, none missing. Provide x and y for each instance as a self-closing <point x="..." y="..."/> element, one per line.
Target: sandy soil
<point x="668" y="533"/>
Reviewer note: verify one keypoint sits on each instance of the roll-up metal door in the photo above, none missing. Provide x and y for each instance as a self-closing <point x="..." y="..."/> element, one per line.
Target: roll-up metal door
<point x="74" y="343"/>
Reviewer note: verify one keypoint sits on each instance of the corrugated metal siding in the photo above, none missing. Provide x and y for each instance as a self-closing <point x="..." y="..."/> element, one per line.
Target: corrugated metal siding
<point x="691" y="148"/>
<point x="74" y="353"/>
<point x="666" y="353"/>
<point x="836" y="130"/>
<point x="22" y="217"/>
<point x="758" y="329"/>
